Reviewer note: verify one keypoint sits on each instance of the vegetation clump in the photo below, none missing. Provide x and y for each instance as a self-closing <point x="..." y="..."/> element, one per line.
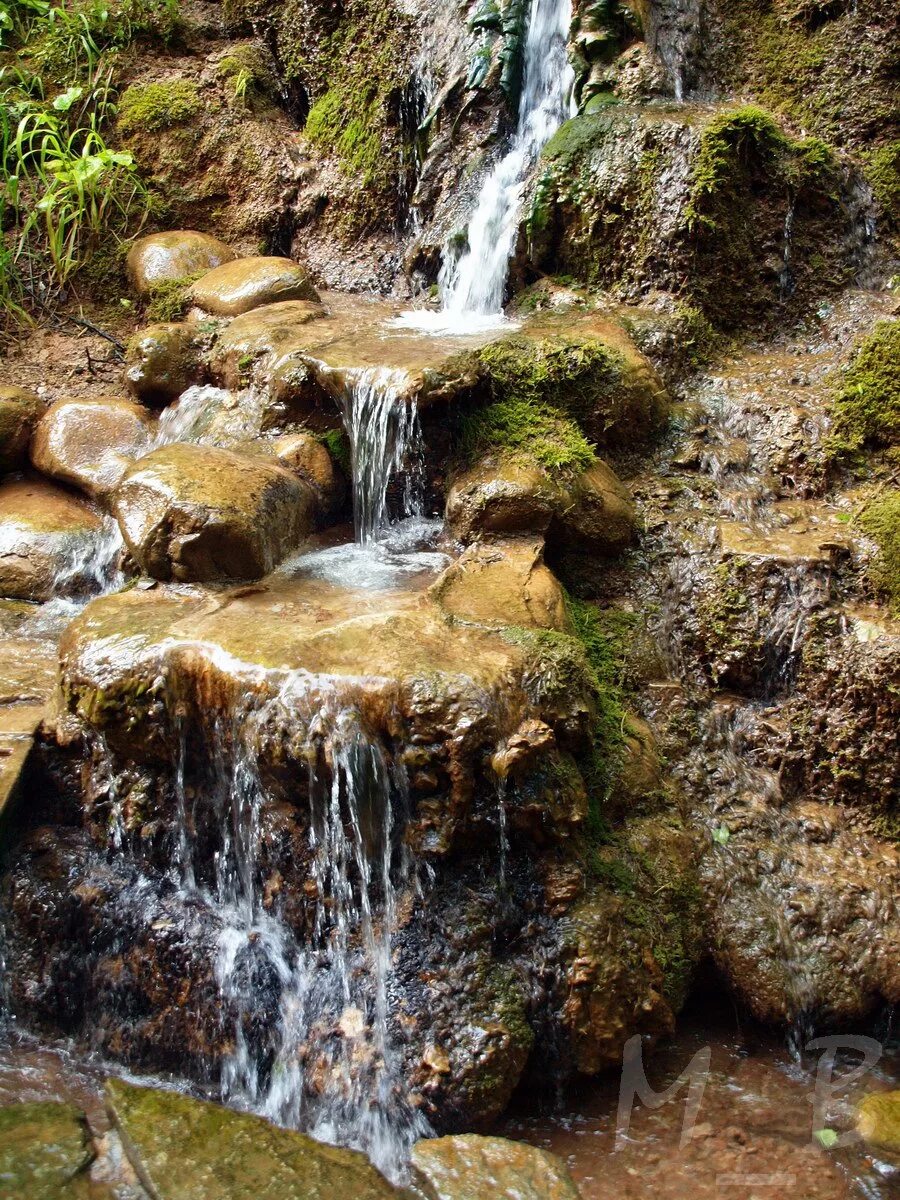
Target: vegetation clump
<point x="170" y="299"/>
<point x="883" y="173"/>
<point x="867" y="403"/>
<point x="154" y="106"/>
<point x="881" y="521"/>
<point x="523" y="429"/>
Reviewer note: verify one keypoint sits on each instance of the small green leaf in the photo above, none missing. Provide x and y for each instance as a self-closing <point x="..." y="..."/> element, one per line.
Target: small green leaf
<point x="826" y="1137"/>
<point x="721" y="834"/>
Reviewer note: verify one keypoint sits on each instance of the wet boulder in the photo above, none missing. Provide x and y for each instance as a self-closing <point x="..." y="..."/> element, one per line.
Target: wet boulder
<point x="502" y="495"/>
<point x="161" y="258"/>
<point x="236" y="287"/>
<point x="46" y="538"/>
<point x="19" y="413"/>
<point x="162" y="361"/>
<point x="878" y="1120"/>
<point x="307" y="456"/>
<point x="185" y="1149"/>
<point x="90" y="443"/>
<point x="190" y="512"/>
<point x="503" y="583"/>
<point x="471" y="1167"/>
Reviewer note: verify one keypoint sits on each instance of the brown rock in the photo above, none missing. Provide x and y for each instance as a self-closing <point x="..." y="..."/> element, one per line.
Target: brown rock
<point x="307" y="457"/>
<point x="503" y="583"/>
<point x="193" y="512"/>
<point x="162" y="361"/>
<point x="161" y="257"/>
<point x="470" y="1167"/>
<point x="90" y="442"/>
<point x="44" y="533"/>
<point x="19" y="411"/>
<point x="597" y="513"/>
<point x="237" y="287"/>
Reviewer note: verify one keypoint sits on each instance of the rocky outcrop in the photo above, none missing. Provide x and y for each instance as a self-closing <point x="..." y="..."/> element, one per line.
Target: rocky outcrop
<point x="19" y="412"/>
<point x="47" y="537"/>
<point x="91" y="443"/>
<point x="180" y="254"/>
<point x="162" y="361"/>
<point x="465" y="1166"/>
<point x="192" y="512"/>
<point x="237" y="287"/>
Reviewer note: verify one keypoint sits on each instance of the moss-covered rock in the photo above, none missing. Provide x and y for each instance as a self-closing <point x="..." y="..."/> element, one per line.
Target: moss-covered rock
<point x="149" y="107"/>
<point x="878" y="1120"/>
<point x="44" y="1146"/>
<point x="470" y="1167"/>
<point x="866" y="408"/>
<point x="881" y="521"/>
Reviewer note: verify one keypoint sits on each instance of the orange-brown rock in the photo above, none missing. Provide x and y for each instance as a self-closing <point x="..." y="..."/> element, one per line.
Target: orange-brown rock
<point x="19" y="412"/>
<point x="162" y="361"/>
<point x="236" y="287"/>
<point x="177" y="254"/>
<point x="46" y="535"/>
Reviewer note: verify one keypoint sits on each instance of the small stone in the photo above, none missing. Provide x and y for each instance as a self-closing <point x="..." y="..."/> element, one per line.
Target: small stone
<point x="162" y="361"/>
<point x="180" y="253"/>
<point x="237" y="287"/>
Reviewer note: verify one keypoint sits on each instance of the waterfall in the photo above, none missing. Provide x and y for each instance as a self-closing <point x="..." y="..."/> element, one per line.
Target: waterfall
<point x="312" y="1046"/>
<point x="472" y="286"/>
<point x="385" y="439"/>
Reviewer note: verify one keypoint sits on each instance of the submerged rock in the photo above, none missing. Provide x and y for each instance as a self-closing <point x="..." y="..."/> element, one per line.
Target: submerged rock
<point x="91" y="442"/>
<point x="237" y="287"/>
<point x="162" y="361"/>
<point x="470" y="1167"/>
<point x="191" y="512"/>
<point x="19" y="413"/>
<point x="44" y="1146"/>
<point x="46" y="536"/>
<point x="164" y="257"/>
<point x="187" y="1149"/>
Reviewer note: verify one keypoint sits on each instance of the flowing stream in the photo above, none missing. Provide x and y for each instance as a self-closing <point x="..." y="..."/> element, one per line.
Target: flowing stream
<point x="473" y="285"/>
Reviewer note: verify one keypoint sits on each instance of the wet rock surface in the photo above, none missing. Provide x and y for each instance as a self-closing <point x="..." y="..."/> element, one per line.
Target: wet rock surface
<point x="179" y="254"/>
<point x="197" y="512"/>
<point x="46" y="539"/>
<point x="44" y="1147"/>
<point x="91" y="443"/>
<point x="468" y="1167"/>
<point x="19" y="412"/>
<point x="236" y="287"/>
<point x="162" y="361"/>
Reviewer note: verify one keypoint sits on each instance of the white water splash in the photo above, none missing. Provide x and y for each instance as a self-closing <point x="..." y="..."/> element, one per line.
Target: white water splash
<point x="472" y="286"/>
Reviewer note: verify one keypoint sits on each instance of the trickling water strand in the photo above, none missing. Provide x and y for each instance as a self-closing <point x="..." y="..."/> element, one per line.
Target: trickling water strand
<point x="501" y="823"/>
<point x="786" y="275"/>
<point x="385" y="437"/>
<point x="473" y="285"/>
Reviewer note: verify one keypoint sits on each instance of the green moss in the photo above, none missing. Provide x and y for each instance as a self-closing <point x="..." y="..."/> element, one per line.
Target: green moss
<point x="867" y="403"/>
<point x="153" y="106"/>
<point x="524" y="430"/>
<point x="881" y="521"/>
<point x="883" y="174"/>
<point x="170" y="299"/>
<point x="337" y="444"/>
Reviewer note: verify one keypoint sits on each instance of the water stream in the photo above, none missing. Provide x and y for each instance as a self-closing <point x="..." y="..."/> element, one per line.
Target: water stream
<point x="473" y="284"/>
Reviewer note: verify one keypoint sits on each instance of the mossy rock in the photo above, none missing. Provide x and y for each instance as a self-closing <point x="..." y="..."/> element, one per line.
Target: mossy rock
<point x="881" y="521"/>
<point x="186" y="1149"/>
<point x="867" y="402"/>
<point x="149" y="107"/>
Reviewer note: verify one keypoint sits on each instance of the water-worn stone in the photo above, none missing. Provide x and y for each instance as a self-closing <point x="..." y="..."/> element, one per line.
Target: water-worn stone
<point x="191" y="512"/>
<point x="43" y="1147"/>
<point x="161" y="361"/>
<point x="305" y="455"/>
<point x="878" y="1120"/>
<point x="177" y="254"/>
<point x="187" y="1149"/>
<point x="19" y="412"/>
<point x="237" y="287"/>
<point x="470" y="1167"/>
<point x="503" y="583"/>
<point x="91" y="442"/>
<point x="44" y="533"/>
<point x="501" y="496"/>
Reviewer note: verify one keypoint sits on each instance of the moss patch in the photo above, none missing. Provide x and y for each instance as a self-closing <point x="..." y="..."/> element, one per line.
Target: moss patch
<point x="881" y="521"/>
<point x="867" y="403"/>
<point x="883" y="174"/>
<point x="154" y="106"/>
<point x="170" y="299"/>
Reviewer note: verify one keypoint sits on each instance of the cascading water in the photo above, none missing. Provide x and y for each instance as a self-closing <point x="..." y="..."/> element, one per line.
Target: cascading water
<point x="320" y="1057"/>
<point x="472" y="286"/>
